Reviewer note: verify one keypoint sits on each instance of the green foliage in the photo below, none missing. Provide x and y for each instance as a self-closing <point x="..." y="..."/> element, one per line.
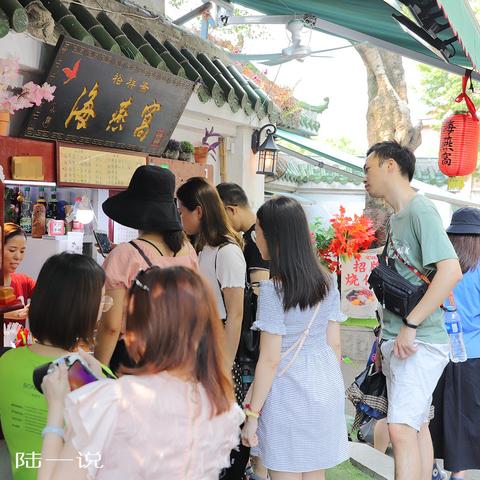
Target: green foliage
<point x="440" y="90"/>
<point x="186" y="147"/>
<point x="322" y="235"/>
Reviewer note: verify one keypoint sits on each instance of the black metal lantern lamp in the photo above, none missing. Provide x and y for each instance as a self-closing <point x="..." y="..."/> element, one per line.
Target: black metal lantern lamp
<point x="267" y="151"/>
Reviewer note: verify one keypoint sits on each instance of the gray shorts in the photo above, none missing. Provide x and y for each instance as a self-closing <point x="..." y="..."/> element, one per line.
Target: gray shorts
<point x="411" y="381"/>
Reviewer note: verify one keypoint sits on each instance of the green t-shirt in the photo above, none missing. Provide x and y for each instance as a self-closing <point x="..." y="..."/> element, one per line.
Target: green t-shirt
<point x="23" y="409"/>
<point x="420" y="239"/>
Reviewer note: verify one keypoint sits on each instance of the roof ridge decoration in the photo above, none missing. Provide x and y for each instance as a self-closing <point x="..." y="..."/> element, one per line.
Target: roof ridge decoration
<point x="169" y="48"/>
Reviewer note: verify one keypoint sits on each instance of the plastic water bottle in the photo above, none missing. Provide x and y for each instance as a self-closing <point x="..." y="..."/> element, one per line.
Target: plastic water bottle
<point x="453" y="324"/>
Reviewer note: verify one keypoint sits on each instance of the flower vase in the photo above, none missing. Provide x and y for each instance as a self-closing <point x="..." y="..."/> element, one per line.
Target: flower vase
<point x="4" y="123"/>
<point x="201" y="154"/>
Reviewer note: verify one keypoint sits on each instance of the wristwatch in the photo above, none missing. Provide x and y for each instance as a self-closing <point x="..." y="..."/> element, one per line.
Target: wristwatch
<point x="408" y="324"/>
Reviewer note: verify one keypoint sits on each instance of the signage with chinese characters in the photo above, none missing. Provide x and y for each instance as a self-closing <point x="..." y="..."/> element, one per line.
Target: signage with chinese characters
<point x="357" y="300"/>
<point x="109" y="100"/>
<point x="95" y="168"/>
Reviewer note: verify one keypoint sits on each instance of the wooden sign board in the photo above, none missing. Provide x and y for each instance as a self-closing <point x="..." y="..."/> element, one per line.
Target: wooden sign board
<point x="27" y="167"/>
<point x="108" y="100"/>
<point x="93" y="168"/>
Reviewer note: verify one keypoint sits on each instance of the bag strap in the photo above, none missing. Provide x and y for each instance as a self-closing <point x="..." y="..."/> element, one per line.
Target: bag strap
<point x="154" y="246"/>
<point x="216" y="275"/>
<point x="297" y="346"/>
<point x="419" y="274"/>
<point x="141" y="252"/>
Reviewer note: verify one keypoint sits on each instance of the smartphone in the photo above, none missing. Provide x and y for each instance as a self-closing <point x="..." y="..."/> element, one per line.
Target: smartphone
<point x="79" y="375"/>
<point x="103" y="242"/>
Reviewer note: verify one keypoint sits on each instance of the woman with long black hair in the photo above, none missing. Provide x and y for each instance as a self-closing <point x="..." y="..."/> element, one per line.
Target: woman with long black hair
<point x="455" y="427"/>
<point x="295" y="415"/>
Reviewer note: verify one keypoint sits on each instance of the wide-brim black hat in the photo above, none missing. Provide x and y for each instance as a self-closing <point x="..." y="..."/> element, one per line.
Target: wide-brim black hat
<point x="148" y="203"/>
<point x="465" y="221"/>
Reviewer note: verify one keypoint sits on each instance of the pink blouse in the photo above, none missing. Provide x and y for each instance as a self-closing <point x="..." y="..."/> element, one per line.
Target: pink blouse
<point x="150" y="427"/>
<point x="124" y="262"/>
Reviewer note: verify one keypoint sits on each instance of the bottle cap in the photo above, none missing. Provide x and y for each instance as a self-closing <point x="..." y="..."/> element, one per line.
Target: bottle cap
<point x="449" y="308"/>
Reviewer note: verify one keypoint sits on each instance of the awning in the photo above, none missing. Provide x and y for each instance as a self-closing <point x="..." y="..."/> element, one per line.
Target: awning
<point x="354" y="166"/>
<point x="372" y="21"/>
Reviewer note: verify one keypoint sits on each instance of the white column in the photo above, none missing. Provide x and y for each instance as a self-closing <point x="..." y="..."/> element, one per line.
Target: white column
<point x="242" y="166"/>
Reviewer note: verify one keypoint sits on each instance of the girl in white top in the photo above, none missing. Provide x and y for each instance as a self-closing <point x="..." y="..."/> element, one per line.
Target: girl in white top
<point x="219" y="251"/>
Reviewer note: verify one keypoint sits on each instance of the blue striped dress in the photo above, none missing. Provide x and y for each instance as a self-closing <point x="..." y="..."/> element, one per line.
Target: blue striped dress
<point x="302" y="425"/>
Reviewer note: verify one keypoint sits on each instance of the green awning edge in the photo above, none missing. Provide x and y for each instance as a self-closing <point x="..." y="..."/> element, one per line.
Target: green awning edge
<point x="314" y="147"/>
<point x="465" y="26"/>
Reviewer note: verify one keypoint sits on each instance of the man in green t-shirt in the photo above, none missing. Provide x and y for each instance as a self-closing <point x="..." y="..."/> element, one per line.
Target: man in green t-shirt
<point x="414" y="348"/>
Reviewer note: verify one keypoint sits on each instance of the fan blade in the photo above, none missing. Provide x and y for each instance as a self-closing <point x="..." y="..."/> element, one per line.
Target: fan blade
<point x="245" y="57"/>
<point x="279" y="61"/>
<point x="337" y="48"/>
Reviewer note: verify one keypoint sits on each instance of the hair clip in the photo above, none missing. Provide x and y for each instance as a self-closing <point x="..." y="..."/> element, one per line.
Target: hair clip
<point x="141" y="285"/>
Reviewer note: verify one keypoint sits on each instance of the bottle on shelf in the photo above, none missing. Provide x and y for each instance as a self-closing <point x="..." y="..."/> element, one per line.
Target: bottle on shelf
<point x="20" y="199"/>
<point x="38" y="216"/>
<point x="26" y="212"/>
<point x="41" y="197"/>
<point x="453" y="324"/>
<point x="52" y="206"/>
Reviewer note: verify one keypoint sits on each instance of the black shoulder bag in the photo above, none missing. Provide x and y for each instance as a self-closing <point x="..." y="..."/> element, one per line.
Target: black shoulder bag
<point x="392" y="290"/>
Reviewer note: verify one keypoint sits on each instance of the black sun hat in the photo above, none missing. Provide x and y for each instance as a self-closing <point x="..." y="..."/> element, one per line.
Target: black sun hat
<point x="148" y="203"/>
<point x="465" y="221"/>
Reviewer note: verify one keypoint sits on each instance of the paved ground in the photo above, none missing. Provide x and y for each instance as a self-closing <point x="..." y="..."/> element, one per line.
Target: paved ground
<point x="349" y="372"/>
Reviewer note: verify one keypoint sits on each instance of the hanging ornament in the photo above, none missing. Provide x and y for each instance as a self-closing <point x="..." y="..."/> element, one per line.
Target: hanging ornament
<point x="459" y="139"/>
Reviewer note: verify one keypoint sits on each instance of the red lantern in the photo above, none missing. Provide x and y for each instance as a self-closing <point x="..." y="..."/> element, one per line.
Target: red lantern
<point x="459" y="140"/>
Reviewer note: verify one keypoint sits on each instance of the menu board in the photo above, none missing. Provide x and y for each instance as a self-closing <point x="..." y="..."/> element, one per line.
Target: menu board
<point x="83" y="166"/>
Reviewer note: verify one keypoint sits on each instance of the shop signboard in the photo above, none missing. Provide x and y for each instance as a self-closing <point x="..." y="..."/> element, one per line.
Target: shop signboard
<point x="108" y="100"/>
<point x="357" y="300"/>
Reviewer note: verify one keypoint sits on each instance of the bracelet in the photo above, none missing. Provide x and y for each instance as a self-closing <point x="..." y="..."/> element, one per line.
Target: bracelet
<point x="56" y="430"/>
<point x="251" y="413"/>
<point x="408" y="324"/>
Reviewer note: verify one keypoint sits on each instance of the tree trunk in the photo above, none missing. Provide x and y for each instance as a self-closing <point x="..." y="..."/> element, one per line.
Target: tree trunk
<point x="388" y="117"/>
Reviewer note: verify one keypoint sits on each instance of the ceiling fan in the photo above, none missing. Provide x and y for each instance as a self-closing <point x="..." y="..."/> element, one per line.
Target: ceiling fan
<point x="296" y="50"/>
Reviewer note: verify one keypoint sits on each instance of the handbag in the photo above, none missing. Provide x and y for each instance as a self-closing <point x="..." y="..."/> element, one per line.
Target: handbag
<point x="393" y="291"/>
<point x="368" y="392"/>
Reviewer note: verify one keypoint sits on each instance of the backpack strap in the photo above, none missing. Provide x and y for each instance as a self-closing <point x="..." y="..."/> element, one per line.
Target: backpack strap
<point x="216" y="276"/>
<point x="141" y="252"/>
<point x="154" y="246"/>
<point x="297" y="346"/>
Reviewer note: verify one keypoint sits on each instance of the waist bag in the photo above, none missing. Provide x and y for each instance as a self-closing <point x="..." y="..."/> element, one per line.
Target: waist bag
<point x="392" y="290"/>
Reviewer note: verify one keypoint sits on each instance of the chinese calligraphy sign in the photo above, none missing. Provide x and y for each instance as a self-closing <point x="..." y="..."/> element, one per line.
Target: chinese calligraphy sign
<point x="357" y="300"/>
<point x="108" y="100"/>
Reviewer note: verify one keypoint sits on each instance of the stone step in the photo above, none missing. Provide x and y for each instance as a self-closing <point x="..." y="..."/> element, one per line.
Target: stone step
<point x="371" y="461"/>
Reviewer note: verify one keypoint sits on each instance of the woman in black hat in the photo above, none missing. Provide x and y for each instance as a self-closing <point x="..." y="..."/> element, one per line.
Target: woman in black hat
<point x="455" y="429"/>
<point x="147" y="205"/>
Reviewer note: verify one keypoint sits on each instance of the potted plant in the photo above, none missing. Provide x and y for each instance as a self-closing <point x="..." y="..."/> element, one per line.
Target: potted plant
<point x="15" y="98"/>
<point x="344" y="239"/>
<point x="172" y="150"/>
<point x="186" y="151"/>
<point x="201" y="152"/>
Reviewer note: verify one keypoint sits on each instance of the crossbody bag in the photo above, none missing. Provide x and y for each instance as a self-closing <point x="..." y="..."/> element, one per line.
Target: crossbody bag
<point x="393" y="291"/>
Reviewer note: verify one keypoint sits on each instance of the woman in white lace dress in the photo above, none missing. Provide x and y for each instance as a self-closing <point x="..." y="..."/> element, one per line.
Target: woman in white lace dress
<point x="295" y="416"/>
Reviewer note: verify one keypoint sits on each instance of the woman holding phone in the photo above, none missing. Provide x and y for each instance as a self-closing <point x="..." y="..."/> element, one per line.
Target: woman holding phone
<point x="174" y="413"/>
<point x="66" y="304"/>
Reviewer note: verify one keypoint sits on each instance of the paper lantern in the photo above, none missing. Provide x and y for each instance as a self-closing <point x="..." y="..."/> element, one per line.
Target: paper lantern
<point x="459" y="139"/>
<point x="459" y="145"/>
